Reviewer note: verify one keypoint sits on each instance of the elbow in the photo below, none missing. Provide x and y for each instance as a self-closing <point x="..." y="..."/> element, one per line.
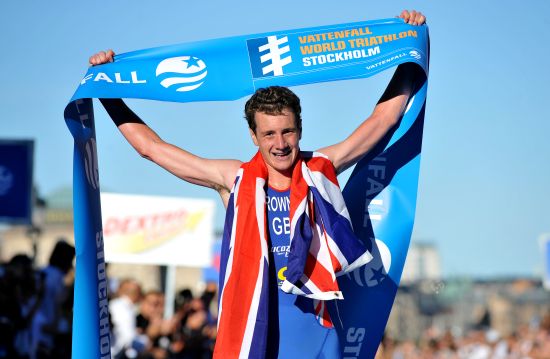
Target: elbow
<point x="392" y="121"/>
<point x="386" y="121"/>
<point x="145" y="149"/>
<point x="391" y="118"/>
<point x="144" y="154"/>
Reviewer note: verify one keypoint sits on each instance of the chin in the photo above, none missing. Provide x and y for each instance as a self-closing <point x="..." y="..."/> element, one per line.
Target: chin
<point x="283" y="166"/>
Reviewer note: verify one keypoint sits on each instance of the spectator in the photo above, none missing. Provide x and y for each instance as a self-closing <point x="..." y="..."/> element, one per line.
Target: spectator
<point x="123" y="316"/>
<point x="46" y="324"/>
<point x="194" y="338"/>
<point x="20" y="296"/>
<point x="151" y="324"/>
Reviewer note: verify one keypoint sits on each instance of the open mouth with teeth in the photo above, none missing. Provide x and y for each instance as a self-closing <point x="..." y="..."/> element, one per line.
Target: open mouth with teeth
<point x="282" y="154"/>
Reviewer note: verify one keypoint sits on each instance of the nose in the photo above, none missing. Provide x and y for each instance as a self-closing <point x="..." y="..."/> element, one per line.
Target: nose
<point x="280" y="142"/>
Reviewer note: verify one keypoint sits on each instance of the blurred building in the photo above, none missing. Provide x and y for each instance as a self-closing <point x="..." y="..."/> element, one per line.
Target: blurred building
<point x="422" y="262"/>
<point x="461" y="305"/>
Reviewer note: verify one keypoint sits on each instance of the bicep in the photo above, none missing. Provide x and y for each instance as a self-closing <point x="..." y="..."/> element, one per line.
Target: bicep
<point x="348" y="152"/>
<point x="385" y="116"/>
<point x="216" y="174"/>
<point x="212" y="173"/>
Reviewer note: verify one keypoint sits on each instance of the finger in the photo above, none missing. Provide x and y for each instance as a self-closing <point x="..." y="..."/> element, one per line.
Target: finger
<point x="110" y="55"/>
<point x="94" y="60"/>
<point x="417" y="18"/>
<point x="421" y="19"/>
<point x="412" y="17"/>
<point x="405" y="15"/>
<point x="102" y="57"/>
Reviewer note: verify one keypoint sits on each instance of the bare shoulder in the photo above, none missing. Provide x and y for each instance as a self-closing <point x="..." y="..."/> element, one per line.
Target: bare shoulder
<point x="228" y="170"/>
<point x="332" y="154"/>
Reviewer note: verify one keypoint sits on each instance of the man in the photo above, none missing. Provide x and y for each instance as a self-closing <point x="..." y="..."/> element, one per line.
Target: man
<point x="123" y="314"/>
<point x="49" y="321"/>
<point x="273" y="116"/>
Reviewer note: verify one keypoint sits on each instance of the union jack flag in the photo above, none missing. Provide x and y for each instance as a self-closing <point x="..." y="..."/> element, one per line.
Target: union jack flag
<point x="322" y="247"/>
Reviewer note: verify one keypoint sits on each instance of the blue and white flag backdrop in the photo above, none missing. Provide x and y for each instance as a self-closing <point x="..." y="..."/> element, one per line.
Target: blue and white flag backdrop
<point x="380" y="194"/>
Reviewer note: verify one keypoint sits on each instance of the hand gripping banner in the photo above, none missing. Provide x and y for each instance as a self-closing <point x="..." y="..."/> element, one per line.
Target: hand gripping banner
<point x="380" y="194"/>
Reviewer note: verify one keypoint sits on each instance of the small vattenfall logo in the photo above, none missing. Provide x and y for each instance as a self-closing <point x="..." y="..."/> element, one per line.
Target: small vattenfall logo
<point x="269" y="55"/>
<point x="415" y="54"/>
<point x="183" y="73"/>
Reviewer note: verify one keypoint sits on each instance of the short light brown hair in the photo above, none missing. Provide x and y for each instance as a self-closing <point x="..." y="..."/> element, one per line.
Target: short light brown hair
<point x="273" y="100"/>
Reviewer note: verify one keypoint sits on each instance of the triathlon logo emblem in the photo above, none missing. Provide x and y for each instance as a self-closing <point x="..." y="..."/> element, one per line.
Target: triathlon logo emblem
<point x="184" y="73"/>
<point x="269" y="55"/>
<point x="374" y="272"/>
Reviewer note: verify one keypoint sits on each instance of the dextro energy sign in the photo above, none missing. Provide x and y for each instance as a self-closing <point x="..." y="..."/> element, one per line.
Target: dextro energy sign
<point x="157" y="230"/>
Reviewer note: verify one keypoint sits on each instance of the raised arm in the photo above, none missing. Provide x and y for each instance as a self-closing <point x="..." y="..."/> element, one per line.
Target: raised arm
<point x="387" y="112"/>
<point x="216" y="174"/>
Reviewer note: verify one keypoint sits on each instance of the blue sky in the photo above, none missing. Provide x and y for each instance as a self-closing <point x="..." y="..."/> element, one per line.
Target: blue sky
<point x="483" y="193"/>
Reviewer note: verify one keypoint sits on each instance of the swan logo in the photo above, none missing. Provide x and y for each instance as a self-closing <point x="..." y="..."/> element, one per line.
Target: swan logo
<point x="415" y="54"/>
<point x="6" y="180"/>
<point x="183" y="73"/>
<point x="374" y="272"/>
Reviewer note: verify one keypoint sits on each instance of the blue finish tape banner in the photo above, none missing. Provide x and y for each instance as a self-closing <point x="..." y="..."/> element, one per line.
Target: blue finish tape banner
<point x="381" y="193"/>
<point x="381" y="199"/>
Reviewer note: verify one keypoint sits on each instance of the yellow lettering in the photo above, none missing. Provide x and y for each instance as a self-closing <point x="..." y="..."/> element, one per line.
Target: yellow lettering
<point x="281" y="274"/>
<point x="306" y="49"/>
<point x="339" y="34"/>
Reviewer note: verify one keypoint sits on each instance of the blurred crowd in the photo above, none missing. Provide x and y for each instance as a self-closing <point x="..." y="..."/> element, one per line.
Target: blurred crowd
<point x="527" y="342"/>
<point x="36" y="321"/>
<point x="36" y="306"/>
<point x="139" y="329"/>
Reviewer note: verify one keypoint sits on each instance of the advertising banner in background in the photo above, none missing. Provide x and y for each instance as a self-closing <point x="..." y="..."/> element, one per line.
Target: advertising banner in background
<point x="16" y="177"/>
<point x="157" y="230"/>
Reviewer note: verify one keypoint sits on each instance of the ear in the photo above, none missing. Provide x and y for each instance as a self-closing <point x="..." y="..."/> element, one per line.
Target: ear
<point x="253" y="135"/>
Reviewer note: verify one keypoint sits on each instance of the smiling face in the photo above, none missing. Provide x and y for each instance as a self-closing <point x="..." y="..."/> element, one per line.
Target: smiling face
<point x="278" y="139"/>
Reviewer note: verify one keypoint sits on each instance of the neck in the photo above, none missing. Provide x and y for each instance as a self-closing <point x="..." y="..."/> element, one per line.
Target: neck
<point x="278" y="180"/>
